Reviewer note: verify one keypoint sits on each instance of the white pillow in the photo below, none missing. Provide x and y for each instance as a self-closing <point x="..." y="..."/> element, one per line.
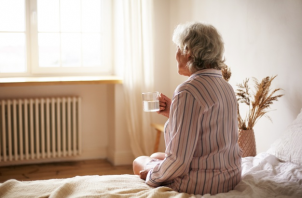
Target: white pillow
<point x="289" y="146"/>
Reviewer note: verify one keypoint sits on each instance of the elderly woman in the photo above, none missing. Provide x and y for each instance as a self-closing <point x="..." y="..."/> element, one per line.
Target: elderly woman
<point x="202" y="155"/>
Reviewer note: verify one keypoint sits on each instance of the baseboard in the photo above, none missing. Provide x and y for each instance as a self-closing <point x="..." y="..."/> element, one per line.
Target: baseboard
<point x="120" y="157"/>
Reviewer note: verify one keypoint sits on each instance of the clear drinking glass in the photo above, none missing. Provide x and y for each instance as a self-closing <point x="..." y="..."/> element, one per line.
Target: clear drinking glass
<point x="150" y="101"/>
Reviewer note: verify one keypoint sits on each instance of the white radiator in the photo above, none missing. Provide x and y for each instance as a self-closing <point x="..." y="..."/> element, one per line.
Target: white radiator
<point x="39" y="128"/>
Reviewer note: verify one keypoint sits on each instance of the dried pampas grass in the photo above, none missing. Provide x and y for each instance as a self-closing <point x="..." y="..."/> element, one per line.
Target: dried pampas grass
<point x="258" y="103"/>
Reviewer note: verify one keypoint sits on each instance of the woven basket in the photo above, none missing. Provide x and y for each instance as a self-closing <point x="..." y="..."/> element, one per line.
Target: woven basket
<point x="247" y="143"/>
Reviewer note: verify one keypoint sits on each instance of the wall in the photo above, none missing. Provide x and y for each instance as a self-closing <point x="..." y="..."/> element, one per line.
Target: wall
<point x="118" y="145"/>
<point x="262" y="38"/>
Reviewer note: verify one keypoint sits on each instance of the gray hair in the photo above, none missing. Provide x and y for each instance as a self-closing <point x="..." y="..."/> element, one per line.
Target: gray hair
<point x="203" y="42"/>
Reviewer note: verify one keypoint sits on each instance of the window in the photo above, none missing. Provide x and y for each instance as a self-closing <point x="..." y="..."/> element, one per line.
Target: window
<point x="57" y="37"/>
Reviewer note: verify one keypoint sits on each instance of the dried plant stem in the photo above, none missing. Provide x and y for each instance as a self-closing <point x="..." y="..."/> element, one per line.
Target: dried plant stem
<point x="259" y="104"/>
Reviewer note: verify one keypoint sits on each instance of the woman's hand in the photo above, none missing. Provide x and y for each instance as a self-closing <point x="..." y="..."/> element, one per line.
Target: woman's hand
<point x="164" y="105"/>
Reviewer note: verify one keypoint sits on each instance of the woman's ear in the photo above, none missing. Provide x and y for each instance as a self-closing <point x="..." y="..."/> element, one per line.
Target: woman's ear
<point x="188" y="55"/>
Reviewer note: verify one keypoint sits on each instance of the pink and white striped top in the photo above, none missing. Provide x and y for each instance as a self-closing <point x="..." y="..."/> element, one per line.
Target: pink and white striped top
<point x="202" y="153"/>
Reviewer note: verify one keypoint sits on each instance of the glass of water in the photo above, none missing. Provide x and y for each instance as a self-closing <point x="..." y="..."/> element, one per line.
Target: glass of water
<point x="150" y="101"/>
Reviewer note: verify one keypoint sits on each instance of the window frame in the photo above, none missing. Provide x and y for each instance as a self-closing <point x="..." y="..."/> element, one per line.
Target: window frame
<point x="32" y="61"/>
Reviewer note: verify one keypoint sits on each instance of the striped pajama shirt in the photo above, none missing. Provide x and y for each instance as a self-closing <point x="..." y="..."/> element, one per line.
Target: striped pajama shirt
<point x="202" y="153"/>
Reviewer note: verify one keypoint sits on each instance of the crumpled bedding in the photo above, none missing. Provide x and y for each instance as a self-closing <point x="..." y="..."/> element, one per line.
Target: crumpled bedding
<point x="266" y="176"/>
<point x="262" y="176"/>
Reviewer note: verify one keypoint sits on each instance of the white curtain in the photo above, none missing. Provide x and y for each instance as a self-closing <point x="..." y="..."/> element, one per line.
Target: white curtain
<point x="138" y="69"/>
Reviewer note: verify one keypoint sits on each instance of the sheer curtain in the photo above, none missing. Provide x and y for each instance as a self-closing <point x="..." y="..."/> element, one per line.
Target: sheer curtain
<point x="137" y="52"/>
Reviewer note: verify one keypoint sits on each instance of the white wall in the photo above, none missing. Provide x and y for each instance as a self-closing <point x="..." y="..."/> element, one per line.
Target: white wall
<point x="262" y="38"/>
<point x="118" y="150"/>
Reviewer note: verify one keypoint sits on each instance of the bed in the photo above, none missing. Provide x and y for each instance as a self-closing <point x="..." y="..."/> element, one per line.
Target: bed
<point x="275" y="173"/>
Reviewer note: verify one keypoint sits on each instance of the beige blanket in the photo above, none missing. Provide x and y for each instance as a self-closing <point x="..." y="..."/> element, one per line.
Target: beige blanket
<point x="86" y="186"/>
<point x="262" y="176"/>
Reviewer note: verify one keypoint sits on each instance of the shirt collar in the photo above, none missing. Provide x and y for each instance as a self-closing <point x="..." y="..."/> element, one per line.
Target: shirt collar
<point x="207" y="72"/>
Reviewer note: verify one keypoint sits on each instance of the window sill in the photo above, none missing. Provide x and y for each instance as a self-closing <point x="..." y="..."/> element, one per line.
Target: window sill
<point x="64" y="80"/>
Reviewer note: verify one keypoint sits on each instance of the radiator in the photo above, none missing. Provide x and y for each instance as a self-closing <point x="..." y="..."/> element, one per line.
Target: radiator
<point x="38" y="128"/>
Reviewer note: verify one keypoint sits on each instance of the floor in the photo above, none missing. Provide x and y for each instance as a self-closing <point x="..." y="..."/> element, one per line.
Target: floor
<point x="62" y="170"/>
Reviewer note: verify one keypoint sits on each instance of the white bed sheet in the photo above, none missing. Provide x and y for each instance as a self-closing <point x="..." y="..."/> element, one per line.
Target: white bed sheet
<point x="266" y="176"/>
<point x="263" y="176"/>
